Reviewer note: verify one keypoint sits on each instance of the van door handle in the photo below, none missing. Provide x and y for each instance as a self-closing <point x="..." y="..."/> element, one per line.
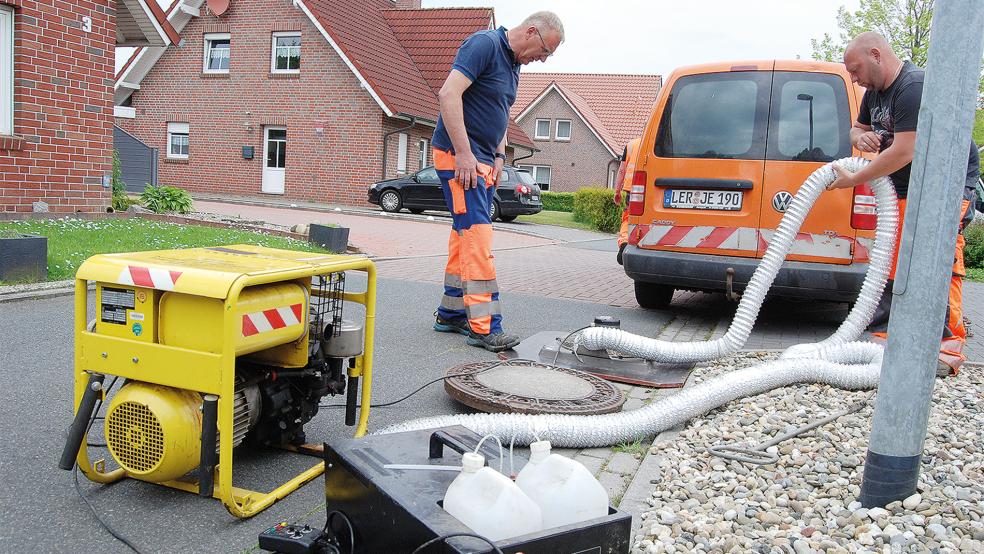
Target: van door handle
<point x="701" y="183"/>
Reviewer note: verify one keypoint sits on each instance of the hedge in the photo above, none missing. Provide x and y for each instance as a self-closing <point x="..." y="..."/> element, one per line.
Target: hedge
<point x="557" y="201"/>
<point x="974" y="245"/>
<point x="594" y="206"/>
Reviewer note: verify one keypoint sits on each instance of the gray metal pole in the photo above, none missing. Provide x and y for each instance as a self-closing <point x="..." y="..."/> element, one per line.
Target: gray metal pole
<point x="898" y="432"/>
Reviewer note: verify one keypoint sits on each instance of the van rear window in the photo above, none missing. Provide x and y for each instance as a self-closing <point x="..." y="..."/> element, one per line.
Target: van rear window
<point x="811" y="119"/>
<point x="716" y="115"/>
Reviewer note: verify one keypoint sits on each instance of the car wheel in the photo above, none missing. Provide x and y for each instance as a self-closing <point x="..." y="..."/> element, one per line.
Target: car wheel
<point x="494" y="210"/>
<point x="652" y="296"/>
<point x="416" y="211"/>
<point x="507" y="218"/>
<point x="390" y="201"/>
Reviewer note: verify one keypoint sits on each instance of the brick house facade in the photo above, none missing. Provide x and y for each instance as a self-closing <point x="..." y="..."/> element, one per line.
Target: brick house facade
<point x="580" y="124"/>
<point x="56" y="91"/>
<point x="334" y="108"/>
<point x="578" y="161"/>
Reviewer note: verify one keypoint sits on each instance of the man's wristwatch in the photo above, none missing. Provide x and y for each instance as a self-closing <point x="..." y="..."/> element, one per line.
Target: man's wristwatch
<point x="501" y="156"/>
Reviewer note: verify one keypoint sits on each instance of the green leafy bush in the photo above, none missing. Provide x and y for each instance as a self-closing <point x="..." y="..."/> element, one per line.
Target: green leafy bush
<point x="121" y="202"/>
<point x="119" y="187"/>
<point x="557" y="201"/>
<point x="974" y="245"/>
<point x="164" y="198"/>
<point x="595" y="207"/>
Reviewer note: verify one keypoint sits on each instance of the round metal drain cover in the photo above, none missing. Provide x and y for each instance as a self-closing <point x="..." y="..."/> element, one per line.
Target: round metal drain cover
<point x="528" y="387"/>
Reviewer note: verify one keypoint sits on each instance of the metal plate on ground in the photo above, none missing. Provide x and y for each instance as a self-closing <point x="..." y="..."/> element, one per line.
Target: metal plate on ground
<point x="544" y="347"/>
<point x="529" y="387"/>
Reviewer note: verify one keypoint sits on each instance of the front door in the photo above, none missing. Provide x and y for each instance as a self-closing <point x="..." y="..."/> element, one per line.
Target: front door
<point x="274" y="159"/>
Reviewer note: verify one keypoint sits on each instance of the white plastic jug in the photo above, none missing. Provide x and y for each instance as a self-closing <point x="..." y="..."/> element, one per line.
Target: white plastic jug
<point x="564" y="489"/>
<point x="489" y="502"/>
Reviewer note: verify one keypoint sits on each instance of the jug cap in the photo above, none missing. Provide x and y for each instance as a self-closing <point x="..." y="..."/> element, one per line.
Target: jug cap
<point x="539" y="447"/>
<point x="472" y="462"/>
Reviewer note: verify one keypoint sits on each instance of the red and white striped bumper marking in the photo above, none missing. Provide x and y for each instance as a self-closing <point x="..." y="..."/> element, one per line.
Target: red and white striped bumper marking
<point x="269" y="320"/>
<point x="751" y="240"/>
<point x="149" y="277"/>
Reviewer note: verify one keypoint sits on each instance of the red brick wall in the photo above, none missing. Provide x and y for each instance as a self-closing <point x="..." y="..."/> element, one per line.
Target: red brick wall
<point x="333" y="166"/>
<point x="63" y="107"/>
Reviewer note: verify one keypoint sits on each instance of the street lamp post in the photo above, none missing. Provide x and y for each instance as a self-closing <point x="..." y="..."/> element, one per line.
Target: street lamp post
<point x="808" y="98"/>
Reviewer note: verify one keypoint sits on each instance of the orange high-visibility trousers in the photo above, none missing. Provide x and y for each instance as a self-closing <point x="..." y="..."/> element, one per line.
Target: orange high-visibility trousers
<point x="470" y="288"/>
<point x="954" y="334"/>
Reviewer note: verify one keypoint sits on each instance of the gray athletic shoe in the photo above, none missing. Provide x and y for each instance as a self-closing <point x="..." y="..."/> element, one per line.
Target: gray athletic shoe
<point x="495" y="342"/>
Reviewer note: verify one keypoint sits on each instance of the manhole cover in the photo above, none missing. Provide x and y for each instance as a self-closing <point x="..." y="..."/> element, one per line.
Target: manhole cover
<point x="528" y="387"/>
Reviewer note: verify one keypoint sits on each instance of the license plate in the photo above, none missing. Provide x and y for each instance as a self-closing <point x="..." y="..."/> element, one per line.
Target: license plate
<point x="535" y="197"/>
<point x="702" y="199"/>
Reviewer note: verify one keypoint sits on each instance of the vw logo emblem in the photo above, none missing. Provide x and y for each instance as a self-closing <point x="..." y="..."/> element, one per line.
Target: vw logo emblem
<point x="781" y="201"/>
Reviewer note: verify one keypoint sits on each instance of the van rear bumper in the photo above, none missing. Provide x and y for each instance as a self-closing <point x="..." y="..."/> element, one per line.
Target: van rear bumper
<point x="839" y="283"/>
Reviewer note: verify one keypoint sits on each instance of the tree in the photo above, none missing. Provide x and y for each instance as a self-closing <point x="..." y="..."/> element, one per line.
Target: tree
<point x="904" y="23"/>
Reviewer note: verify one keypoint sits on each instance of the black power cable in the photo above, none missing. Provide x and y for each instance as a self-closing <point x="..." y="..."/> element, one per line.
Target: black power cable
<point x="348" y="523"/>
<point x="429" y="383"/>
<point x="78" y="488"/>
<point x="443" y="538"/>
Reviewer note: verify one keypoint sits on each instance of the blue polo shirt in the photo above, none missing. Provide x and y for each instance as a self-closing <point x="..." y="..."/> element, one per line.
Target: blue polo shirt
<point x="486" y="59"/>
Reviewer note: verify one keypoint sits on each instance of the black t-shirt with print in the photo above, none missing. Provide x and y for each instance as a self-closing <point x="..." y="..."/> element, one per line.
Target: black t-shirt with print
<point x="896" y="110"/>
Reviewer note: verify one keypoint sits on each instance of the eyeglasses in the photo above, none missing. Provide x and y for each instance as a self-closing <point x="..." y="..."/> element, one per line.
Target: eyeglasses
<point x="546" y="50"/>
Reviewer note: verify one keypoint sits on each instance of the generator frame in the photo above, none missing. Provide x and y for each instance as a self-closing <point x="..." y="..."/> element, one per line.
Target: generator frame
<point x="214" y="373"/>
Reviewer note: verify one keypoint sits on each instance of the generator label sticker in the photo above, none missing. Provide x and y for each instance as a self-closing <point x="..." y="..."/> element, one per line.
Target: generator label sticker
<point x="115" y="303"/>
<point x="137" y="329"/>
<point x="136" y="316"/>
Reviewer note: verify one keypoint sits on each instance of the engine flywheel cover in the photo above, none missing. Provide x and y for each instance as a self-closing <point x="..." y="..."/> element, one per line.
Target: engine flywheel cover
<point x="530" y="387"/>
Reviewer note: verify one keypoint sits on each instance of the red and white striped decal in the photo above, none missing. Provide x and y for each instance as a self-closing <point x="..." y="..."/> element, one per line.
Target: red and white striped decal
<point x="269" y="320"/>
<point x="751" y="240"/>
<point x="149" y="277"/>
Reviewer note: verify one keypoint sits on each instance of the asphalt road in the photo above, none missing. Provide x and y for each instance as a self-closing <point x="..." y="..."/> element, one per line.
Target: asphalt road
<point x="41" y="511"/>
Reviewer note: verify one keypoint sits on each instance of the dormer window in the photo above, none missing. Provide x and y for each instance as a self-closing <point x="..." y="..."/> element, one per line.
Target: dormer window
<point x="286" y="53"/>
<point x="216" y="53"/>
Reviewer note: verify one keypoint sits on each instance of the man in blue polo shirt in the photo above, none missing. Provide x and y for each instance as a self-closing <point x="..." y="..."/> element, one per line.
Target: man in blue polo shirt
<point x="469" y="152"/>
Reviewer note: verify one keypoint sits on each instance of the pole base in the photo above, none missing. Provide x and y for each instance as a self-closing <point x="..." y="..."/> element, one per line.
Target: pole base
<point x="888" y="478"/>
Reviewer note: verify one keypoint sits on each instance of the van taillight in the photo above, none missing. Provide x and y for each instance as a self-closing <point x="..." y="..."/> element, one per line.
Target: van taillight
<point x="863" y="214"/>
<point x="637" y="194"/>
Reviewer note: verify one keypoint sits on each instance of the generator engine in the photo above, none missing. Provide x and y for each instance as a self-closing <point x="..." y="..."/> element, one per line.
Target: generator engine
<point x="215" y="348"/>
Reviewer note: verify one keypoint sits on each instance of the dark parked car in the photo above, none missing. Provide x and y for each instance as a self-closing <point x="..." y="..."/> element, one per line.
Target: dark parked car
<point x="516" y="194"/>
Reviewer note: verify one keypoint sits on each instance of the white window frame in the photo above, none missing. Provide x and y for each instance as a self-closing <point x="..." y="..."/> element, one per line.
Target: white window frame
<point x="273" y="51"/>
<point x="611" y="178"/>
<point x="207" y="42"/>
<point x="422" y="146"/>
<point x="7" y="70"/>
<point x="401" y="155"/>
<point x="570" y="128"/>
<point x="536" y="130"/>
<point x="175" y="128"/>
<point x="532" y="170"/>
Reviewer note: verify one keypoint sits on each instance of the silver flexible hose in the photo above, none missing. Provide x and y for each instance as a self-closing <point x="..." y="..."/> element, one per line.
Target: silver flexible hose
<point x="880" y="259"/>
<point x="835" y="361"/>
<point x="625" y="427"/>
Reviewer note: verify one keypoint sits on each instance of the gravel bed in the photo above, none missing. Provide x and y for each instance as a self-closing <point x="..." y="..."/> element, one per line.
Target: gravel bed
<point x="807" y="502"/>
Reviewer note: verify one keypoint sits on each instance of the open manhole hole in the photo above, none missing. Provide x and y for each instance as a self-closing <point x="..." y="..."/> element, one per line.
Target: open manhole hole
<point x="529" y="387"/>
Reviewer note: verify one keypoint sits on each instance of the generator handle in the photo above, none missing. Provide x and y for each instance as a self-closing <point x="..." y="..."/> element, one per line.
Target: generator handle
<point x="206" y="466"/>
<point x="440" y="439"/>
<point x="80" y="425"/>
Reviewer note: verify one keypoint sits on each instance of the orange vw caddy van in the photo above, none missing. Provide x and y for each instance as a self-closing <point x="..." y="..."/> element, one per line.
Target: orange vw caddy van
<point x="726" y="147"/>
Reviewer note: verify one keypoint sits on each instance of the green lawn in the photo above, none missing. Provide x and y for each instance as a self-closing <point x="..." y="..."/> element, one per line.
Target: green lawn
<point x="72" y="241"/>
<point x="563" y="219"/>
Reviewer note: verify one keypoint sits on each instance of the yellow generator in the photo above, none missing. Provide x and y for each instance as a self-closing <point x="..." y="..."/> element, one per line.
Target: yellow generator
<point x="201" y="350"/>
